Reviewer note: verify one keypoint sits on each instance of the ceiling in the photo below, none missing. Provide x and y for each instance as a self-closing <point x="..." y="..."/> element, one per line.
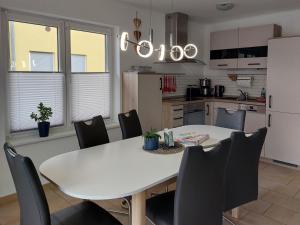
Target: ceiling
<point x="205" y="10"/>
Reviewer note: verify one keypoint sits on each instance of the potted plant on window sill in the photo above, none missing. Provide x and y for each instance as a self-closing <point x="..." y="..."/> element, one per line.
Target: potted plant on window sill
<point x="151" y="140"/>
<point x="45" y="113"/>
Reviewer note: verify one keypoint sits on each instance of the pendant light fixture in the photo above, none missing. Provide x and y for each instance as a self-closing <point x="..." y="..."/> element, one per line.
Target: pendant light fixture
<point x="176" y="52"/>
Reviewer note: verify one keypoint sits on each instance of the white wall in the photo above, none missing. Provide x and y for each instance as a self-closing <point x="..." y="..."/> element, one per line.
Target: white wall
<point x="107" y="12"/>
<point x="290" y="26"/>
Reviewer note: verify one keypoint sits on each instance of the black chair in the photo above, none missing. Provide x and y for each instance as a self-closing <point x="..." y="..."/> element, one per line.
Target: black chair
<point x="232" y="120"/>
<point x="130" y="124"/>
<point x="93" y="134"/>
<point x="199" y="197"/>
<point x="241" y="179"/>
<point x="33" y="203"/>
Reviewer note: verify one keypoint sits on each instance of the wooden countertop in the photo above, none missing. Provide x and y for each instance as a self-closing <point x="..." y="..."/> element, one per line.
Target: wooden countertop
<point x="182" y="101"/>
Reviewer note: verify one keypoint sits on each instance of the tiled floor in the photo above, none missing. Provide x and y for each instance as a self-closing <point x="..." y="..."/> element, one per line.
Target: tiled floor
<point x="278" y="203"/>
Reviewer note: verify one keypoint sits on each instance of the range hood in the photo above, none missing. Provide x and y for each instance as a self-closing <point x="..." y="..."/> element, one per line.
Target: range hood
<point x="176" y="33"/>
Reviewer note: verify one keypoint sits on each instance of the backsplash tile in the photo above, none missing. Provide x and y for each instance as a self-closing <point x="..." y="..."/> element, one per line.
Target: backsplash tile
<point x="182" y="82"/>
<point x="231" y="87"/>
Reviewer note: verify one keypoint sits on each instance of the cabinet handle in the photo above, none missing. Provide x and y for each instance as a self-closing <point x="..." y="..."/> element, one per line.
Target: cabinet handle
<point x="178" y="118"/>
<point x="176" y="110"/>
<point x="253" y="64"/>
<point x="160" y="83"/>
<point x="222" y="65"/>
<point x="207" y="106"/>
<point x="269" y="120"/>
<point x="270" y="101"/>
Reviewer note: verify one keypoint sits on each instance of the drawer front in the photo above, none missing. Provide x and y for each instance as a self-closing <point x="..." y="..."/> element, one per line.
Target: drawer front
<point x="255" y="63"/>
<point x="223" y="64"/>
<point x="178" y="121"/>
<point x="177" y="111"/>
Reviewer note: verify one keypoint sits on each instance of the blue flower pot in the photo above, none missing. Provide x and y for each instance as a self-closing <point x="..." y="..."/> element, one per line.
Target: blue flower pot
<point x="44" y="129"/>
<point x="151" y="143"/>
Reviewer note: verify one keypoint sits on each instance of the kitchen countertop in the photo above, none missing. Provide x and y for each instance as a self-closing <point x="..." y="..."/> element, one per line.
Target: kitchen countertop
<point x="182" y="101"/>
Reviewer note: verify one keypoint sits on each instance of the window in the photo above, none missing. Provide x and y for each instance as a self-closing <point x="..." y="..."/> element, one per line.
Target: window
<point x="78" y="63"/>
<point x="66" y="65"/>
<point x="33" y="75"/>
<point x="41" y="61"/>
<point x="25" y="38"/>
<point x="90" y="88"/>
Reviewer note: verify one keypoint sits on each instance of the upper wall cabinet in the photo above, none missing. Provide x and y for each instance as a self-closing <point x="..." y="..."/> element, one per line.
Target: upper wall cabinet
<point x="243" y="48"/>
<point x="227" y="39"/>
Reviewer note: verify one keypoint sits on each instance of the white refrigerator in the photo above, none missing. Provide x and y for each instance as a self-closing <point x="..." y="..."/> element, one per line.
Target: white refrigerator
<point x="283" y="100"/>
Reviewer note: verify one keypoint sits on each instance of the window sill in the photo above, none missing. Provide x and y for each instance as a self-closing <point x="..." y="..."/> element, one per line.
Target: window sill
<point x="28" y="140"/>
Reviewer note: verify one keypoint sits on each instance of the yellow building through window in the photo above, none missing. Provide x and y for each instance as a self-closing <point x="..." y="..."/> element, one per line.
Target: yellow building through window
<point x="35" y="48"/>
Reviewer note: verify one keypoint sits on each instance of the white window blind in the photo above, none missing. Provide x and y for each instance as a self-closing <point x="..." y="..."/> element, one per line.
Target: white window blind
<point x="27" y="90"/>
<point x="91" y="95"/>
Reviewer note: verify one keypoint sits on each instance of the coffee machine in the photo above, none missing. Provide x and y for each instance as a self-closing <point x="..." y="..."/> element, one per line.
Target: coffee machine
<point x="205" y="87"/>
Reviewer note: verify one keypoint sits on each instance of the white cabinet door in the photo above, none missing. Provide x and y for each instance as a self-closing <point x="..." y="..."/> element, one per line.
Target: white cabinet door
<point x="283" y="75"/>
<point x="150" y="102"/>
<point x="258" y="35"/>
<point x="226" y="39"/>
<point x="253" y="122"/>
<point x="223" y="64"/>
<point x="283" y="138"/>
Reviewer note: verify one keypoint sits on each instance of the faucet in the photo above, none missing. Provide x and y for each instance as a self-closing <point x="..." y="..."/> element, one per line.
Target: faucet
<point x="243" y="96"/>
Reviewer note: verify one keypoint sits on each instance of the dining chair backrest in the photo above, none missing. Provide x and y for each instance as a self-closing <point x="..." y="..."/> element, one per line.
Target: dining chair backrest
<point x="241" y="179"/>
<point x="33" y="203"/>
<point x="130" y="124"/>
<point x="232" y="120"/>
<point x="200" y="185"/>
<point x="90" y="135"/>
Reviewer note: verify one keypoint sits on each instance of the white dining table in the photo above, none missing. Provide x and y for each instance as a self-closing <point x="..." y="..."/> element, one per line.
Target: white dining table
<point x="120" y="169"/>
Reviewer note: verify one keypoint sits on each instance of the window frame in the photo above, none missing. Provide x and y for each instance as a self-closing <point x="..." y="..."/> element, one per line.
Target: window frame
<point x="64" y="27"/>
<point x="71" y="25"/>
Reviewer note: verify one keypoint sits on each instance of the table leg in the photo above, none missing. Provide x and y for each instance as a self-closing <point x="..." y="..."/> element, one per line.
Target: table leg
<point x="139" y="209"/>
<point x="235" y="213"/>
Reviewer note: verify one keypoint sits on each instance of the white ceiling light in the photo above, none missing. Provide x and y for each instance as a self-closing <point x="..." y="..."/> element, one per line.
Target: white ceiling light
<point x="173" y="54"/>
<point x="189" y="48"/>
<point x="224" y="6"/>
<point x="124" y="41"/>
<point x="162" y="51"/>
<point x="142" y="44"/>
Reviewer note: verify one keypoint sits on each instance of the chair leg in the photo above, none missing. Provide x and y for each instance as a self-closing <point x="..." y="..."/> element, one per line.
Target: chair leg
<point x="228" y="220"/>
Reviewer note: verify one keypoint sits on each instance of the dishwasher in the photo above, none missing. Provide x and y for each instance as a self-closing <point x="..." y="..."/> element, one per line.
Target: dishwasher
<point x="194" y="113"/>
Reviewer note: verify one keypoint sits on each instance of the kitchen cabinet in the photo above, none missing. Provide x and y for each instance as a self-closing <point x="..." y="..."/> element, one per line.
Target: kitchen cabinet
<point x="143" y="93"/>
<point x="282" y="142"/>
<point x="249" y="51"/>
<point x="283" y="104"/>
<point x="225" y="105"/>
<point x="209" y="113"/>
<point x="253" y="122"/>
<point x="222" y="64"/>
<point x="283" y="76"/>
<point x="172" y="115"/>
<point x="258" y="35"/>
<point x="227" y="39"/>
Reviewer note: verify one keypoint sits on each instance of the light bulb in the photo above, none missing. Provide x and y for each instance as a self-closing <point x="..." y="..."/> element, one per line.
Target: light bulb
<point x="140" y="44"/>
<point x="173" y="55"/>
<point x="162" y="51"/>
<point x="186" y="49"/>
<point x="124" y="42"/>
